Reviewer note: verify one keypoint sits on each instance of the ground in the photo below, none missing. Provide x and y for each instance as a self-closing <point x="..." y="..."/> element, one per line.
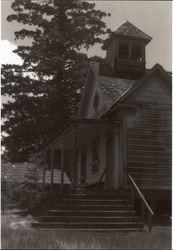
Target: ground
<point x="17" y="234"/>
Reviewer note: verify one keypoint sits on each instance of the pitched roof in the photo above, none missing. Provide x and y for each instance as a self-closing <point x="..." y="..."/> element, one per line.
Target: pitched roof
<point x="129" y="30"/>
<point x="135" y="84"/>
<point x="17" y="172"/>
<point x="113" y="88"/>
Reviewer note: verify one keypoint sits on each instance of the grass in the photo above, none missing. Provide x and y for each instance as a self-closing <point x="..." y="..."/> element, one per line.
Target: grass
<point x="16" y="233"/>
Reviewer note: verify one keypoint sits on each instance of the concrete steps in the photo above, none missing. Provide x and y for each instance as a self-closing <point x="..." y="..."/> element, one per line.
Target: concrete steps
<point x="91" y="211"/>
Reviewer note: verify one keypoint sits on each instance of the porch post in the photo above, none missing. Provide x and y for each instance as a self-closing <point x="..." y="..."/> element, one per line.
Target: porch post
<point x="62" y="165"/>
<point x="124" y="152"/>
<point x="75" y="172"/>
<point x="52" y="169"/>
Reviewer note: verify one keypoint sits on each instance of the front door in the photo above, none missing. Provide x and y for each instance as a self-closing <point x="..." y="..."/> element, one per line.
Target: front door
<point x="110" y="160"/>
<point x="83" y="166"/>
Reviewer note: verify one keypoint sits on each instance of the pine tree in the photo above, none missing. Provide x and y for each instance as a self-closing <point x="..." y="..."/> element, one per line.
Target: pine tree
<point x="43" y="89"/>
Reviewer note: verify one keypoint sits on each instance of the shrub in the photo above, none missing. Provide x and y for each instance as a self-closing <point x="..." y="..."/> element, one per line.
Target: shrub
<point x="29" y="193"/>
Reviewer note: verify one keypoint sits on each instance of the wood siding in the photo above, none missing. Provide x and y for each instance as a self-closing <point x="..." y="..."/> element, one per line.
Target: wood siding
<point x="149" y="138"/>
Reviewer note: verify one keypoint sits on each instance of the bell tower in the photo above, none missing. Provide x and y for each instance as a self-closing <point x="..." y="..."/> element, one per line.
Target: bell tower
<point x="125" y="51"/>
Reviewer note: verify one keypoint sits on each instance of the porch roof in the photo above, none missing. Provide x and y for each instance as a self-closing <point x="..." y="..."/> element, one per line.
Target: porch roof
<point x="78" y="132"/>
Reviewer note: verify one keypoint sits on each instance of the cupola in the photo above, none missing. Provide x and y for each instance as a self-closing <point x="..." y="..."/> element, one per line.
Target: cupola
<point x="125" y="51"/>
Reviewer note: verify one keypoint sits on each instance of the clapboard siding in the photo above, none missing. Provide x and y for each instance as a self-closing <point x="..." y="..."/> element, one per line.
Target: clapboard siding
<point x="149" y="139"/>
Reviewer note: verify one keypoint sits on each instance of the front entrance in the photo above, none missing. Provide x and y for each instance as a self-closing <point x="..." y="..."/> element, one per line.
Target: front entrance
<point x="109" y="160"/>
<point x="83" y="166"/>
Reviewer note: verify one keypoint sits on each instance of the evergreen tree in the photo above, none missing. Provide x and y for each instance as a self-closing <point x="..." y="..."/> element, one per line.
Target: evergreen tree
<point x="43" y="89"/>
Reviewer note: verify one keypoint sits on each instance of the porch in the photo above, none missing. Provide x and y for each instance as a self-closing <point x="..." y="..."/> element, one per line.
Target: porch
<point x="80" y="152"/>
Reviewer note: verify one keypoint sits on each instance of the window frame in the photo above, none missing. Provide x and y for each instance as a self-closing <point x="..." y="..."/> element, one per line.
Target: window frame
<point x="131" y="47"/>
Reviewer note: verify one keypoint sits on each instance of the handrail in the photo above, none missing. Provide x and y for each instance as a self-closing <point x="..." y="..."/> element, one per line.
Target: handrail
<point x="141" y="195"/>
<point x="144" y="203"/>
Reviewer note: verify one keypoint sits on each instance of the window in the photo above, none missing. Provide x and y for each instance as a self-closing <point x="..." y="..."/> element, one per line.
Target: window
<point x="130" y="51"/>
<point x="95" y="155"/>
<point x="136" y="52"/>
<point x="123" y="50"/>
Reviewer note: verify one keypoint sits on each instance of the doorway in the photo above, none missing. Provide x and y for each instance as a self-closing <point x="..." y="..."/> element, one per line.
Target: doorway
<point x="109" y="160"/>
<point x="83" y="166"/>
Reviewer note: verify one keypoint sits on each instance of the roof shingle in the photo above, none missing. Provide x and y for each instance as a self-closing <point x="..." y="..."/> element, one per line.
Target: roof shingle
<point x="113" y="88"/>
<point x="128" y="29"/>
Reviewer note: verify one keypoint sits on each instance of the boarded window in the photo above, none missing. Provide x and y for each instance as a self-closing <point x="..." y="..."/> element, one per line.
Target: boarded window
<point x="95" y="155"/>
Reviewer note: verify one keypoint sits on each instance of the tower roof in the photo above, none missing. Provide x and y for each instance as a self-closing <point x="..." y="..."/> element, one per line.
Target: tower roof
<point x="129" y="30"/>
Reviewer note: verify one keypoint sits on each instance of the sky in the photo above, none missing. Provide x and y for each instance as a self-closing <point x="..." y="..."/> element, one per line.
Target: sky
<point x="152" y="17"/>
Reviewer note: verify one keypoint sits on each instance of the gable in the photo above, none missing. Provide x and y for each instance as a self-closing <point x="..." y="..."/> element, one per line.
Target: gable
<point x="93" y="102"/>
<point x="101" y="92"/>
<point x="157" y="82"/>
<point x="156" y="89"/>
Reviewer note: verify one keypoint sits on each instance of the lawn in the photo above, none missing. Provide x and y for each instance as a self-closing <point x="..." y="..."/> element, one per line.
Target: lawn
<point x="16" y="233"/>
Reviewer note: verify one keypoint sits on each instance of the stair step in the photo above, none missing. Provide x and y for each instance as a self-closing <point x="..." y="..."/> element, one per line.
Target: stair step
<point x="89" y="219"/>
<point x="95" y="196"/>
<point x="110" y="192"/>
<point x="97" y="230"/>
<point x="86" y="225"/>
<point x="94" y="201"/>
<point x="91" y="213"/>
<point x="93" y="207"/>
<point x="91" y="210"/>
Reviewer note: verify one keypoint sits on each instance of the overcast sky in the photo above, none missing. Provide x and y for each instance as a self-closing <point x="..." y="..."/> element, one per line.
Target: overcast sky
<point x="152" y="17"/>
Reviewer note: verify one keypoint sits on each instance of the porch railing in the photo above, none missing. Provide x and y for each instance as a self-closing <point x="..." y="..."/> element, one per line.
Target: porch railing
<point x="144" y="204"/>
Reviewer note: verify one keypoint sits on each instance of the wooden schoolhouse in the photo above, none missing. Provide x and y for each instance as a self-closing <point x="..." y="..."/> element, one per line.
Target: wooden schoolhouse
<point x="118" y="149"/>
